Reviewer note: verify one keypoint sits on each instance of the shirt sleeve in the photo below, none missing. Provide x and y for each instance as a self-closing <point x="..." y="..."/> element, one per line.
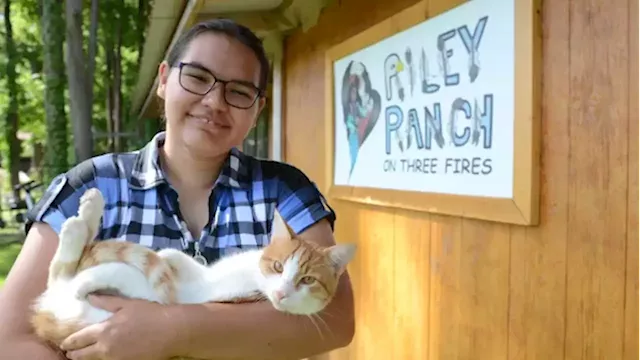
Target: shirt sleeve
<point x="62" y="197"/>
<point x="300" y="203"/>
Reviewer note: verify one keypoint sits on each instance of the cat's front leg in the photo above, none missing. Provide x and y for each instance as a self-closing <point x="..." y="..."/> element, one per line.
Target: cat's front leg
<point x="91" y="209"/>
<point x="73" y="238"/>
<point x="186" y="268"/>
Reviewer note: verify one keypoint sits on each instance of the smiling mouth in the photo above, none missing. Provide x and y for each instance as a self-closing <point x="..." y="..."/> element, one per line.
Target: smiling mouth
<point x="209" y="122"/>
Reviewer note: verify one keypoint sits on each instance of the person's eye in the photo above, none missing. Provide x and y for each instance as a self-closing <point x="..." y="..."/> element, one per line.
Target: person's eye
<point x="197" y="77"/>
<point x="241" y="93"/>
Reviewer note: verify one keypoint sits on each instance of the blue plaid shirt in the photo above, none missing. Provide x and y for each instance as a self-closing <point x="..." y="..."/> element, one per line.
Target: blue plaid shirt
<point x="142" y="207"/>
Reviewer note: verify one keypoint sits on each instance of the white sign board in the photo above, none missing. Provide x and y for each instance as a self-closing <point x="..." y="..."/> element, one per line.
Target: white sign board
<point x="431" y="109"/>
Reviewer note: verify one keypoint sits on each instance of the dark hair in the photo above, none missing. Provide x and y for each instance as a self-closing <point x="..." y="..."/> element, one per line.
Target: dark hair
<point x="229" y="28"/>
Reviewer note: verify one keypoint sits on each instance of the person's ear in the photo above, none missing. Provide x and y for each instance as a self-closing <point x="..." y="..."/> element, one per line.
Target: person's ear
<point x="163" y="76"/>
<point x="262" y="101"/>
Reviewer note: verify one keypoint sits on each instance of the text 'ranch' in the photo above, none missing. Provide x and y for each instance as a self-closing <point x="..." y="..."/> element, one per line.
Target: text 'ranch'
<point x="424" y="127"/>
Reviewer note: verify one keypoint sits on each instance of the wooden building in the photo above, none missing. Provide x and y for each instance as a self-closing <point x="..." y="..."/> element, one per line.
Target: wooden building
<point x="560" y="281"/>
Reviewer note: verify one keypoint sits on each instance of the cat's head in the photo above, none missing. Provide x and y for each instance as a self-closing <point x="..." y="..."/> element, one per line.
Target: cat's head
<point x="301" y="277"/>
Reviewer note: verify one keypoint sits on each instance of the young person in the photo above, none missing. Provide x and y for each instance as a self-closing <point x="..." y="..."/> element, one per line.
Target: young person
<point x="188" y="188"/>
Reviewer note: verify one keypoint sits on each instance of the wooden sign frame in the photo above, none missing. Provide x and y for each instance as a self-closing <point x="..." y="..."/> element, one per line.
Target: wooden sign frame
<point x="523" y="207"/>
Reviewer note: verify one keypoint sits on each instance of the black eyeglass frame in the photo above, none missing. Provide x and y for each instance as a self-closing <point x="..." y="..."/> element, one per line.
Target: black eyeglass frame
<point x="259" y="92"/>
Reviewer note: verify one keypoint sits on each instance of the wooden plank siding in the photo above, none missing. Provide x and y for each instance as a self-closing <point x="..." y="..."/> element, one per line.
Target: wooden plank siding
<point x="439" y="287"/>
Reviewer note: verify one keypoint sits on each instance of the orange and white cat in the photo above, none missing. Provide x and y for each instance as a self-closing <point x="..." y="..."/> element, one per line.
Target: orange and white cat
<point x="296" y="276"/>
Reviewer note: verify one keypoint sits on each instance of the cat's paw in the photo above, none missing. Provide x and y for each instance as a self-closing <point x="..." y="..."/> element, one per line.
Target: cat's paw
<point x="74" y="234"/>
<point x="91" y="209"/>
<point x="91" y="205"/>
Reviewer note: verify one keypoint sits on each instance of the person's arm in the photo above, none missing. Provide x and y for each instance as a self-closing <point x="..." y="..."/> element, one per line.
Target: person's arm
<point x="26" y="280"/>
<point x="258" y="331"/>
<point x="28" y="276"/>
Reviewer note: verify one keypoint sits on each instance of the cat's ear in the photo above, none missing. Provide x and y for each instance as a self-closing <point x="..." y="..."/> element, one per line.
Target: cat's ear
<point x="341" y="255"/>
<point x="280" y="230"/>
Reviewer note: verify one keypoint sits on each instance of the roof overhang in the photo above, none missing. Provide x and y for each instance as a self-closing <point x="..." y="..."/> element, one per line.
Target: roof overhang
<point x="269" y="19"/>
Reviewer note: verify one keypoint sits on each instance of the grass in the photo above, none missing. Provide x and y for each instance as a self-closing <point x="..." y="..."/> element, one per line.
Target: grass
<point x="8" y="254"/>
<point x="10" y="246"/>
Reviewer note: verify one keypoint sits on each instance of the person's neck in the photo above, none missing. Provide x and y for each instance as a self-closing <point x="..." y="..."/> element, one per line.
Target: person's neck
<point x="186" y="171"/>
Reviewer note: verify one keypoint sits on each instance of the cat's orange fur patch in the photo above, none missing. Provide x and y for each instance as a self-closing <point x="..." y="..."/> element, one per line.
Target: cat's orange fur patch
<point x="115" y="251"/>
<point x="152" y="262"/>
<point x="49" y="329"/>
<point x="312" y="261"/>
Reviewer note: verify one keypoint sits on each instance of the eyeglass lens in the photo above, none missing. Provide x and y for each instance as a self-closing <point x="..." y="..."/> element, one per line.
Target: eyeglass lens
<point x="200" y="81"/>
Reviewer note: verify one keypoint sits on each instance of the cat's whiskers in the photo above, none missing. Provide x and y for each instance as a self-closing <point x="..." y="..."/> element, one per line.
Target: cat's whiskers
<point x="310" y="317"/>
<point x="325" y="312"/>
<point x="319" y="317"/>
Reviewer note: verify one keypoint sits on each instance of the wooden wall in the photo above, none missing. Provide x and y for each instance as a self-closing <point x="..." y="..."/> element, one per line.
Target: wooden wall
<point x="439" y="287"/>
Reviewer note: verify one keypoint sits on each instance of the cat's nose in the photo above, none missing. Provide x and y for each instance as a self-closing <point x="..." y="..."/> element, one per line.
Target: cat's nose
<point x="278" y="295"/>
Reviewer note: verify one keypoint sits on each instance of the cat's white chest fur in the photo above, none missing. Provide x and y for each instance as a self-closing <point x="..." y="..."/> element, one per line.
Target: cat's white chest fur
<point x="231" y="277"/>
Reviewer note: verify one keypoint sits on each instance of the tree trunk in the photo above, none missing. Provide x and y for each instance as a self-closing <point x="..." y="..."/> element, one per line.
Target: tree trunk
<point x="117" y="83"/>
<point x="108" y="51"/>
<point x="142" y="21"/>
<point x="93" y="51"/>
<point x="11" y="126"/>
<point x="79" y="83"/>
<point x="57" y="142"/>
<point x="142" y="24"/>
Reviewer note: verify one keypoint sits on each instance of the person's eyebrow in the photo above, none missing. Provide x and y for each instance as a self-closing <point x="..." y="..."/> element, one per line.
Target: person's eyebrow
<point x="200" y="66"/>
<point x="204" y="68"/>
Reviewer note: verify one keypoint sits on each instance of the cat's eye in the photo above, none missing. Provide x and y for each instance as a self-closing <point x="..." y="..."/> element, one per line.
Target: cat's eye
<point x="307" y="280"/>
<point x="277" y="266"/>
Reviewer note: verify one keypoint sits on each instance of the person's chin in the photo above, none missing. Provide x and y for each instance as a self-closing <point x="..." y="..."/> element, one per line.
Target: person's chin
<point x="205" y="142"/>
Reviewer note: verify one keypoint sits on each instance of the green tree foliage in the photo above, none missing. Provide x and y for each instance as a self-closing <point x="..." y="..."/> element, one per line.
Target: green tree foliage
<point x="12" y="117"/>
<point x="56" y="154"/>
<point x="28" y="36"/>
<point x="28" y="46"/>
<point x="119" y="22"/>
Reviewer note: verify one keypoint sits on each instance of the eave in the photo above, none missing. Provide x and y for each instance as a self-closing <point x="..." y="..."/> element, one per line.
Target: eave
<point x="269" y="19"/>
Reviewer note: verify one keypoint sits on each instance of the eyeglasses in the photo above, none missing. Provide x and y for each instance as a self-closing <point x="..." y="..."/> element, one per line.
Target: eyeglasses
<point x="200" y="81"/>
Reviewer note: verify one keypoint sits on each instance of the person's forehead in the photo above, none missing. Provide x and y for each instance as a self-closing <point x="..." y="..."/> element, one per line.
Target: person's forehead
<point x="226" y="57"/>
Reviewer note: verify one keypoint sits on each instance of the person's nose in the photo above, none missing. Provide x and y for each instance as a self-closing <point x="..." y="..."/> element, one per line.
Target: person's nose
<point x="215" y="98"/>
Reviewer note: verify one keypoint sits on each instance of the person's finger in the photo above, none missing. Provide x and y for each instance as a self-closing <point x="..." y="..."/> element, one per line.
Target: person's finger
<point x="82" y="338"/>
<point x="89" y="353"/>
<point x="107" y="302"/>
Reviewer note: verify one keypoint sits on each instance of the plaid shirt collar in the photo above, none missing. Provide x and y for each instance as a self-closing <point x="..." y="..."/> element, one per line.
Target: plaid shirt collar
<point x="147" y="174"/>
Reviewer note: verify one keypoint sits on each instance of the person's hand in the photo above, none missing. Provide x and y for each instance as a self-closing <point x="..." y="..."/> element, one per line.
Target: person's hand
<point x="137" y="330"/>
